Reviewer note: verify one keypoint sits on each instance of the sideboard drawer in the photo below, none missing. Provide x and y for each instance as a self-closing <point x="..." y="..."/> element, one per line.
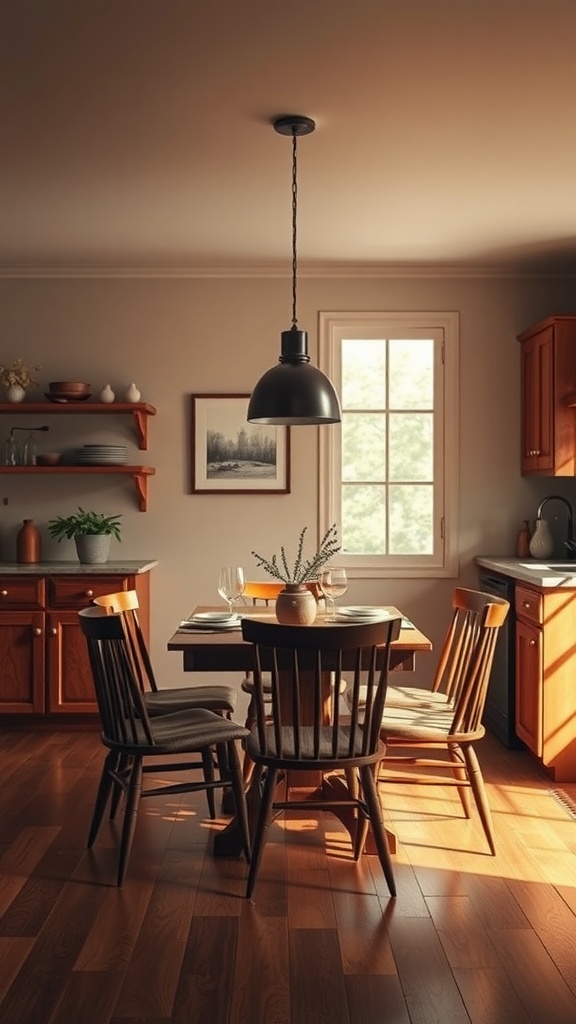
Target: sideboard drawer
<point x="79" y="591"/>
<point x="21" y="592"/>
<point x="529" y="605"/>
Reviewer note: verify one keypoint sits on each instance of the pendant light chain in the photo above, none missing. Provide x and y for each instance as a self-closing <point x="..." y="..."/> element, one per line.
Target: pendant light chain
<point x="294" y="213"/>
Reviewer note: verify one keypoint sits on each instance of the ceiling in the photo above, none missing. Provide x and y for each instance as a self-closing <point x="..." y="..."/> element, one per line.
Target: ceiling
<point x="137" y="133"/>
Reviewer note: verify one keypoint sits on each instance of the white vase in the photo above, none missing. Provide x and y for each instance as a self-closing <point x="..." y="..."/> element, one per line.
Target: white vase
<point x="541" y="544"/>
<point x="106" y="395"/>
<point x="15" y="393"/>
<point x="132" y="394"/>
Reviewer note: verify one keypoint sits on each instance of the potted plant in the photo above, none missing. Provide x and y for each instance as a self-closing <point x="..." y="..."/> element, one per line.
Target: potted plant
<point x="16" y="379"/>
<point x="296" y="603"/>
<point x="91" y="531"/>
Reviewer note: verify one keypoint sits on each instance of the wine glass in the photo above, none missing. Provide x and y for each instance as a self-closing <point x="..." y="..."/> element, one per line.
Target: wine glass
<point x="231" y="583"/>
<point x="333" y="584"/>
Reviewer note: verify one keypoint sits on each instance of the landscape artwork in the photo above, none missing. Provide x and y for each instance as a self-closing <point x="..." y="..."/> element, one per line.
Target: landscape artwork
<point x="232" y="456"/>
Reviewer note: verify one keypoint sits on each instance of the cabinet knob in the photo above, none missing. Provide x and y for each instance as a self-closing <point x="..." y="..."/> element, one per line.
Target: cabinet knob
<point x="526" y="604"/>
<point x="37" y="631"/>
<point x="89" y="593"/>
<point x="53" y="631"/>
<point x="532" y="643"/>
<point x="3" y="593"/>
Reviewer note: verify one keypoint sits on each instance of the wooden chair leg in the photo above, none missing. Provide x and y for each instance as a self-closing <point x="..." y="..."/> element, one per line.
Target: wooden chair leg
<point x="104" y="789"/>
<point x="208" y="768"/>
<point x="130" y="815"/>
<point x="239" y="797"/>
<point x="460" y="772"/>
<point x="121" y="768"/>
<point x="247" y="763"/>
<point x="376" y="820"/>
<point x="479" y="791"/>
<point x="262" y="827"/>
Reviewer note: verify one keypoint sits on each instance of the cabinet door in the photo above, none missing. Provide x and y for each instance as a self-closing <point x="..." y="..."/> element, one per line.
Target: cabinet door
<point x="22" y="662"/>
<point x="538" y="402"/>
<point x="529" y="678"/>
<point x="69" y="677"/>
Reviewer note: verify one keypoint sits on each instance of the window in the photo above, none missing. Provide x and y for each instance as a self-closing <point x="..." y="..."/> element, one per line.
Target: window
<point x="389" y="472"/>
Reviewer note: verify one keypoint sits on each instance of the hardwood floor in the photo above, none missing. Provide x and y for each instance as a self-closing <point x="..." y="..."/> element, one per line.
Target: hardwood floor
<point x="470" y="937"/>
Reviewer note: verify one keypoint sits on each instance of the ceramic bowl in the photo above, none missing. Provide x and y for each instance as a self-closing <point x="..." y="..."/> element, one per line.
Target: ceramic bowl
<point x="49" y="459"/>
<point x="63" y="386"/>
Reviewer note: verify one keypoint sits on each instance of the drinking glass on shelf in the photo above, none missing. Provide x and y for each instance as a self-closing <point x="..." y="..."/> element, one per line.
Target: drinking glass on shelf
<point x="333" y="584"/>
<point x="231" y="584"/>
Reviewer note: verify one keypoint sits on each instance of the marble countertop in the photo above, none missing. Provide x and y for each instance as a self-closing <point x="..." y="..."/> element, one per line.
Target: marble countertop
<point x="540" y="573"/>
<point x="124" y="568"/>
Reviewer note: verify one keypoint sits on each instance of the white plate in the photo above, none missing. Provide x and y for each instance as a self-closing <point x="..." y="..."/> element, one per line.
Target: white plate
<point x="363" y="612"/>
<point x="216" y="618"/>
<point x="209" y="627"/>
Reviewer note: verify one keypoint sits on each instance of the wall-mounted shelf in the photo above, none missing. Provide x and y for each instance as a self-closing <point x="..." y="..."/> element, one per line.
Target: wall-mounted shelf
<point x="140" y="411"/>
<point x="139" y="474"/>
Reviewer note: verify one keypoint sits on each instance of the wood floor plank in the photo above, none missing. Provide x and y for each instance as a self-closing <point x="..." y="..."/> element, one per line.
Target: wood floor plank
<point x="427" y="981"/>
<point x="205" y="987"/>
<point x="161" y="943"/>
<point x="13" y="953"/>
<point x="539" y="985"/>
<point x="461" y="932"/>
<point x="261" y="991"/>
<point x="375" y="999"/>
<point x="317" y="989"/>
<point x="489" y="996"/>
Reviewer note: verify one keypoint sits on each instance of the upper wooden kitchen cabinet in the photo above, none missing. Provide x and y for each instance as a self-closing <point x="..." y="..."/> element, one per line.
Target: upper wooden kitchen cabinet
<point x="44" y="657"/>
<point x="548" y="397"/>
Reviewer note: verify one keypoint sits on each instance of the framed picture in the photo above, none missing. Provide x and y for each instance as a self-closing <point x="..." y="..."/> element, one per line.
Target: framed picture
<point x="232" y="456"/>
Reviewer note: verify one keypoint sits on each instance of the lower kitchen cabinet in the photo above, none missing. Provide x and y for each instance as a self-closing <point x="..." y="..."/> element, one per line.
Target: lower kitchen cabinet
<point x="43" y="653"/>
<point x="546" y="676"/>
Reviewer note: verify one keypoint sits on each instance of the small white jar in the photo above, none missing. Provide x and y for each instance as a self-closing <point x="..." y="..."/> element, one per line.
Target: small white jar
<point x="106" y="395"/>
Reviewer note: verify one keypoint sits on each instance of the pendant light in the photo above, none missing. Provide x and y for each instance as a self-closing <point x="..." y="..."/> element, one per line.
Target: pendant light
<point x="294" y="393"/>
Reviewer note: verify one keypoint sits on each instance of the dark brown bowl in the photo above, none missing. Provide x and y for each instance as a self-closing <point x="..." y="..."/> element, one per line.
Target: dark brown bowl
<point x="72" y="386"/>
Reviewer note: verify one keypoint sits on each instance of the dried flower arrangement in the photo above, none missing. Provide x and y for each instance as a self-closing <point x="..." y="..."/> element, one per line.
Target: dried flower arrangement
<point x="18" y="375"/>
<point x="302" y="571"/>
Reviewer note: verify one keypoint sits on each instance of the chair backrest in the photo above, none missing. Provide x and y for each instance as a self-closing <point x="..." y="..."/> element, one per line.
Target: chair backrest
<point x="125" y="603"/>
<point x="467" y="654"/>
<point x="256" y="592"/>
<point x="306" y="665"/>
<point x="118" y="690"/>
<point x="267" y="592"/>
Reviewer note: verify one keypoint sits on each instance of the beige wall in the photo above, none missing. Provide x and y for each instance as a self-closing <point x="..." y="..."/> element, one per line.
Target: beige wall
<point x="174" y="337"/>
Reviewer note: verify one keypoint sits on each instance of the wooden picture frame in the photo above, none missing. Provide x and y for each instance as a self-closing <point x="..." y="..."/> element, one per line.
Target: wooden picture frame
<point x="232" y="456"/>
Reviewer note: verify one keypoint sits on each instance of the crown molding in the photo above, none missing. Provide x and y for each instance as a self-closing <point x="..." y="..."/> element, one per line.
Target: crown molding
<point x="271" y="269"/>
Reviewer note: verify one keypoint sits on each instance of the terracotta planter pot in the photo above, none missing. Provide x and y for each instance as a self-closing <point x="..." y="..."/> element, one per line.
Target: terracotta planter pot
<point x="296" y="605"/>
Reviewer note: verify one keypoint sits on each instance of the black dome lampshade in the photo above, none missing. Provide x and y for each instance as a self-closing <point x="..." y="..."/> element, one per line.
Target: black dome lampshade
<point x="294" y="393"/>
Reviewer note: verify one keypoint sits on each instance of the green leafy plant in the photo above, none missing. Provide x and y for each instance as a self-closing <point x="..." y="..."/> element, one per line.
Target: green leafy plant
<point x="302" y="571"/>
<point x="83" y="523"/>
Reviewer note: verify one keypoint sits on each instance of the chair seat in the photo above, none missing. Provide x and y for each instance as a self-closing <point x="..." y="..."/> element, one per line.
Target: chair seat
<point x="201" y="728"/>
<point x="416" y="723"/>
<point x="247" y="685"/>
<point x="214" y="698"/>
<point x="411" y="697"/>
<point x="415" y="696"/>
<point x="307" y="753"/>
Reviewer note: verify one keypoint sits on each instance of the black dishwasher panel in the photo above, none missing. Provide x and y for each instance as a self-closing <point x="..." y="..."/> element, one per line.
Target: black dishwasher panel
<point x="500" y="709"/>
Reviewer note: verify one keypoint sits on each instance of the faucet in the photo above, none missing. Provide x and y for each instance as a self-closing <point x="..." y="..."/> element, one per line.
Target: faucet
<point x="569" y="543"/>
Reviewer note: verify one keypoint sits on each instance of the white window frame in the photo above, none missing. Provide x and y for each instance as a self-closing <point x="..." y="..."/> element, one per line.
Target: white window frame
<point x="333" y="327"/>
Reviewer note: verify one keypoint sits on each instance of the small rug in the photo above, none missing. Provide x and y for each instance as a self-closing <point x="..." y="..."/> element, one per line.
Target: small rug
<point x="567" y="800"/>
